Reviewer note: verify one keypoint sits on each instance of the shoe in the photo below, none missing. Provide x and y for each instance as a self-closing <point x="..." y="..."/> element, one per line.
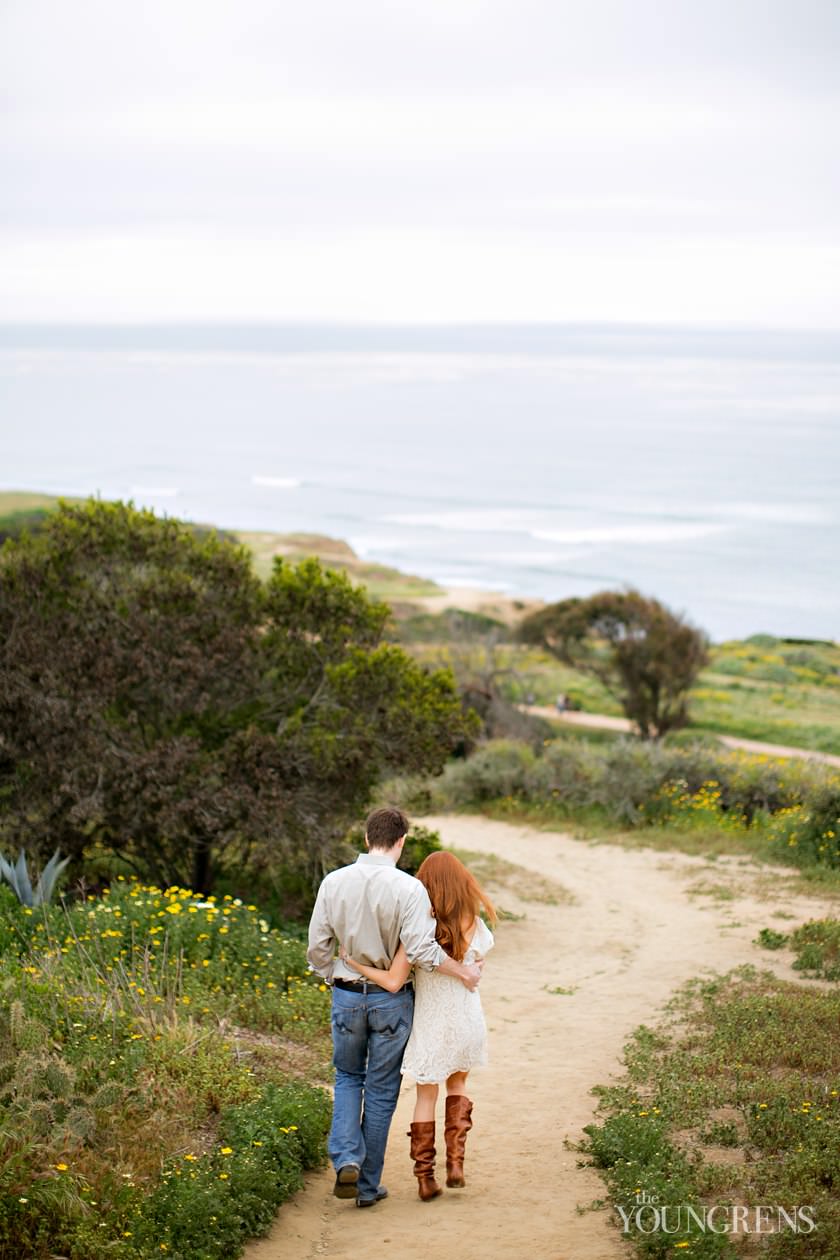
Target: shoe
<point x="345" y="1181"/>
<point x="381" y="1193"/>
<point x="422" y="1134"/>
<point x="458" y="1125"/>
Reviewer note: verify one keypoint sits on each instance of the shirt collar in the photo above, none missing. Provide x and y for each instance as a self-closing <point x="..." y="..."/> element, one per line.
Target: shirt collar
<point x="376" y="859"/>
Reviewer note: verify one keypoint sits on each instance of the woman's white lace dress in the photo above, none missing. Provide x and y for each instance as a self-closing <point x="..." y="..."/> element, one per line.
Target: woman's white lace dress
<point x="449" y="1033"/>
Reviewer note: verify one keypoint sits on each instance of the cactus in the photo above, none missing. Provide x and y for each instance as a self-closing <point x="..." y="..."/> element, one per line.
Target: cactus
<point x="18" y="877"/>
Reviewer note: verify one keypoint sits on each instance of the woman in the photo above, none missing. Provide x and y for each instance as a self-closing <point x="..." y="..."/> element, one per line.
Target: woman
<point x="449" y="1035"/>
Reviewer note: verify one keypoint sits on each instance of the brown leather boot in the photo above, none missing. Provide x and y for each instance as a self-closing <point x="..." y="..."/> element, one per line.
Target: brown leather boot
<point x="422" y="1134"/>
<point x="458" y="1125"/>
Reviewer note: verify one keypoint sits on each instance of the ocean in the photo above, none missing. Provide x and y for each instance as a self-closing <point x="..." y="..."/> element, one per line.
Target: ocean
<point x="698" y="465"/>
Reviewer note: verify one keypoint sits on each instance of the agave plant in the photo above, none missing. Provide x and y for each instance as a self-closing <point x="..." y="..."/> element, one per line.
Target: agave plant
<point x="18" y="877"/>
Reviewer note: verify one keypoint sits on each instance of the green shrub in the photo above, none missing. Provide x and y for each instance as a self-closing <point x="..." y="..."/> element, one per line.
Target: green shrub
<point x="410" y="792"/>
<point x="420" y="843"/>
<point x="807" y="831"/>
<point x="497" y="769"/>
<point x="787" y="808"/>
<point x="568" y="772"/>
<point x="817" y="945"/>
<point x="632" y="773"/>
<point x="768" y="939"/>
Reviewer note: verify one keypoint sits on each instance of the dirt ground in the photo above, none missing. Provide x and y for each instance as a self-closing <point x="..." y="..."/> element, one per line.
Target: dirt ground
<point x="606" y="935"/>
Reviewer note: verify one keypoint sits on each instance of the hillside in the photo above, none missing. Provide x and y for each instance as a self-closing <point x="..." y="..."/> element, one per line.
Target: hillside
<point x="784" y="691"/>
<point x="403" y="591"/>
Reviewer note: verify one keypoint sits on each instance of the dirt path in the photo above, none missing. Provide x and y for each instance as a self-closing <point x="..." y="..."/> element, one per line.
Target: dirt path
<point x="636" y="924"/>
<point x="606" y="722"/>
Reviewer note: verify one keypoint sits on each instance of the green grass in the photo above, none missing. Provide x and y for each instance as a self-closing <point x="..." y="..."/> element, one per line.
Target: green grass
<point x="12" y="501"/>
<point x="733" y="1100"/>
<point x="761" y="688"/>
<point x="816" y="945"/>
<point x="773" y="690"/>
<point x="537" y="678"/>
<point x="156" y="1057"/>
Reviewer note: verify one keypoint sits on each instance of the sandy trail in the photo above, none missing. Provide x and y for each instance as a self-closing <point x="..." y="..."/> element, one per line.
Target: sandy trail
<point x="641" y="923"/>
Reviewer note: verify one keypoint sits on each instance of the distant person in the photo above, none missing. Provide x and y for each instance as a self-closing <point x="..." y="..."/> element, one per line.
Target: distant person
<point x="562" y="703"/>
<point x="377" y="912"/>
<point x="449" y="1035"/>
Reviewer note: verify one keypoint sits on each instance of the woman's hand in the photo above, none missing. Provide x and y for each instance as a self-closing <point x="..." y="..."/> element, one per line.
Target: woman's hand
<point x="345" y="958"/>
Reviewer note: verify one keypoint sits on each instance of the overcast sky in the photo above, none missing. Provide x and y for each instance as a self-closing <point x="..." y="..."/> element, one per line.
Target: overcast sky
<point x="451" y="160"/>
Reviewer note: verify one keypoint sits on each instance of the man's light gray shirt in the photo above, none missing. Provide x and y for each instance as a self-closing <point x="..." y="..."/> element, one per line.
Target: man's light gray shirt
<point x="369" y="907"/>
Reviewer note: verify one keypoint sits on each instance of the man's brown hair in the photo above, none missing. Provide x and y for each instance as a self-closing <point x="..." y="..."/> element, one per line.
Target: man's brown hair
<point x="384" y="827"/>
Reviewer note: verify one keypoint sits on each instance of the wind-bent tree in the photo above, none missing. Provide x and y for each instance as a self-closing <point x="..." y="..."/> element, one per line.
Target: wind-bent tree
<point x="158" y="700"/>
<point x="645" y="655"/>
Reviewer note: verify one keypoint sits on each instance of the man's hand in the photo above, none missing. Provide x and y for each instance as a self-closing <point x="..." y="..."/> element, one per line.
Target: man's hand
<point x="470" y="975"/>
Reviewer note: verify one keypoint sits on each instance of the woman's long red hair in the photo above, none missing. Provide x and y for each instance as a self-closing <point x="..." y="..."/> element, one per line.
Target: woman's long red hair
<point x="456" y="896"/>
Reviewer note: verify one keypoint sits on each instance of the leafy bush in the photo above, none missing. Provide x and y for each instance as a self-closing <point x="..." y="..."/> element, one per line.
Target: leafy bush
<point x="817" y="945"/>
<point x="159" y="701"/>
<point x="420" y="843"/>
<point x="630" y="776"/>
<point x="568" y="772"/>
<point x="415" y="794"/>
<point x="768" y="939"/>
<point x="498" y="768"/>
<point x="808" y="830"/>
<point x="792" y="808"/>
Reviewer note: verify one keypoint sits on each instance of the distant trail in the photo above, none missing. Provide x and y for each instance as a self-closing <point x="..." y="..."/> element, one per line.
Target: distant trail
<point x="563" y="990"/>
<point x="606" y="723"/>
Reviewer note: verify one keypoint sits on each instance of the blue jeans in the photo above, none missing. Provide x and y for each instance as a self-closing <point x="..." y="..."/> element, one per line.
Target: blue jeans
<point x="369" y="1032"/>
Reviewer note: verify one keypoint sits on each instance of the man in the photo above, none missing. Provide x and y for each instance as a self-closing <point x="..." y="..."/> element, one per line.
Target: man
<point x="370" y="907"/>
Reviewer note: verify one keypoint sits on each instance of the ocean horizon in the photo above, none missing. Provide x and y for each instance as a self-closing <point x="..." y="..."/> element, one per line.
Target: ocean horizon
<point x="697" y="464"/>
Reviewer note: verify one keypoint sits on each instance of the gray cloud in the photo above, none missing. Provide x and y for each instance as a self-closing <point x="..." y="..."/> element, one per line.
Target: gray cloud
<point x="544" y="130"/>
